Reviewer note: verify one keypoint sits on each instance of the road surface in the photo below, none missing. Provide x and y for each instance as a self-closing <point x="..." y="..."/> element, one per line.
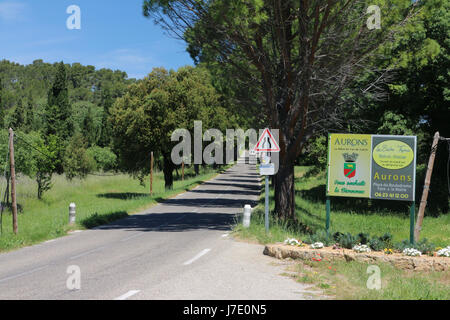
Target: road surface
<point x="179" y="249"/>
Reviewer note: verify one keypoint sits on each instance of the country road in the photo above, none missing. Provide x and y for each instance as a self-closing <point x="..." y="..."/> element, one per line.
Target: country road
<point x="178" y="249"/>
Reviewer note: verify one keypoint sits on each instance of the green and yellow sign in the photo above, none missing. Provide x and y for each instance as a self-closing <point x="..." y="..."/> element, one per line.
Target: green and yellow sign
<point x="371" y="166"/>
<point x="349" y="165"/>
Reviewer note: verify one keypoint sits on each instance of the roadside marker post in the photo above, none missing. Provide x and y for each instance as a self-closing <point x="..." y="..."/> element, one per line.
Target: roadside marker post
<point x="266" y="144"/>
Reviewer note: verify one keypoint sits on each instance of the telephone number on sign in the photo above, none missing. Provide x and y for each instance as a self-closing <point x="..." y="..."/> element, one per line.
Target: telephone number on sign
<point x="391" y="195"/>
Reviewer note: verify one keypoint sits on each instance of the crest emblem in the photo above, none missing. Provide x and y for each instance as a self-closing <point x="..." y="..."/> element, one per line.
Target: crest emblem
<point x="350" y="164"/>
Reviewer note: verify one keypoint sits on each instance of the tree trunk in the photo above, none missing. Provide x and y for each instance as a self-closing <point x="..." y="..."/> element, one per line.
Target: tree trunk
<point x="285" y="192"/>
<point x="168" y="172"/>
<point x="196" y="169"/>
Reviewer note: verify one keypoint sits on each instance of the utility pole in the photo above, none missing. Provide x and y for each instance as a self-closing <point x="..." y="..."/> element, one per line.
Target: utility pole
<point x="151" y="174"/>
<point x="13" y="179"/>
<point x="426" y="187"/>
<point x="182" y="171"/>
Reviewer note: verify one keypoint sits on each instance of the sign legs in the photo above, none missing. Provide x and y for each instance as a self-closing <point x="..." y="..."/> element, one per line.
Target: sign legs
<point x="327" y="223"/>
<point x="412" y="213"/>
<point x="267" y="204"/>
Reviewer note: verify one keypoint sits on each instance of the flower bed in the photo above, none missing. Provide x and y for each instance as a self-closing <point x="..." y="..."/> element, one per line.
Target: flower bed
<point x="399" y="260"/>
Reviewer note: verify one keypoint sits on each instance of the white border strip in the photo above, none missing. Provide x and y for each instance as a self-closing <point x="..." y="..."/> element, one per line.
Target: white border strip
<point x="198" y="256"/>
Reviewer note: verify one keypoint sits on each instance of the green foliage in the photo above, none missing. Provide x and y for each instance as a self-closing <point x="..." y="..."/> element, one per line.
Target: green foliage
<point x="105" y="159"/>
<point x="144" y="119"/>
<point x="424" y="246"/>
<point x="320" y="236"/>
<point x="376" y="244"/>
<point x="77" y="162"/>
<point x="347" y="241"/>
<point x="58" y="111"/>
<point x="363" y="238"/>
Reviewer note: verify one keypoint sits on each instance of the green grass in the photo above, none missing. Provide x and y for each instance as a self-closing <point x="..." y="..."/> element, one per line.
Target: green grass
<point x="98" y="199"/>
<point x="348" y="280"/>
<point x="347" y="215"/>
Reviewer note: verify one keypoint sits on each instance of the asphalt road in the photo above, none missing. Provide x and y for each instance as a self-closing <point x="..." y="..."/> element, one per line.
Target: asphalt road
<point x="179" y="249"/>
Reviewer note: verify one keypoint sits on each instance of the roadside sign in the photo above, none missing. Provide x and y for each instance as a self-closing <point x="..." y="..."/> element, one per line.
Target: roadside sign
<point x="267" y="169"/>
<point x="267" y="143"/>
<point x="371" y="166"/>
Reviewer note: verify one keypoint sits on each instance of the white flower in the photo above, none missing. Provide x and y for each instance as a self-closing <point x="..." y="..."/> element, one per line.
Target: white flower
<point x="444" y="252"/>
<point x="361" y="248"/>
<point x="412" y="252"/>
<point x="292" y="242"/>
<point x="317" y="245"/>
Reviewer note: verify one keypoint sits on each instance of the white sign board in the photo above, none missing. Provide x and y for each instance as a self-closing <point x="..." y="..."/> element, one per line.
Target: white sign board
<point x="267" y="169"/>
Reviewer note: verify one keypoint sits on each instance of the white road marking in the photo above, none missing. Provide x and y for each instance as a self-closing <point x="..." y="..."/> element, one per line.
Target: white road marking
<point x="86" y="253"/>
<point x="127" y="295"/>
<point x="50" y="241"/>
<point x="225" y="235"/>
<point x="22" y="274"/>
<point x="198" y="256"/>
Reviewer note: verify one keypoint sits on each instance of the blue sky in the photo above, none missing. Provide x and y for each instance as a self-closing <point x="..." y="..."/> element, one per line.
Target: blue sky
<point x="114" y="34"/>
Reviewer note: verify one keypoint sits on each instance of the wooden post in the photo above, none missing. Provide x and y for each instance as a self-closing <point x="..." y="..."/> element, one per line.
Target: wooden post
<point x="151" y="174"/>
<point x="426" y="187"/>
<point x="13" y="179"/>
<point x="182" y="171"/>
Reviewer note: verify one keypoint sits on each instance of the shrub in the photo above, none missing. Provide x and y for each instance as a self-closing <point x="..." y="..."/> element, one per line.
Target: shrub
<point x="387" y="240"/>
<point x="363" y="238"/>
<point x="104" y="158"/>
<point x="347" y="241"/>
<point x="319" y="236"/>
<point x="423" y="246"/>
<point x="376" y="244"/>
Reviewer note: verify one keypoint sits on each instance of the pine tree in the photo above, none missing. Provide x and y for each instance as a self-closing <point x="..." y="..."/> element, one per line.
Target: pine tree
<point x="17" y="119"/>
<point x="29" y="114"/>
<point x="58" y="108"/>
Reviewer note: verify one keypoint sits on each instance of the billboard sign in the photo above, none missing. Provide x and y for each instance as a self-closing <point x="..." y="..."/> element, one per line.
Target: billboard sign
<point x="371" y="166"/>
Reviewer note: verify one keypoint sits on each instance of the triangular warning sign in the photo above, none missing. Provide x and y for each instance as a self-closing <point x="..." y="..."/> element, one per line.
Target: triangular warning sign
<point x="267" y="143"/>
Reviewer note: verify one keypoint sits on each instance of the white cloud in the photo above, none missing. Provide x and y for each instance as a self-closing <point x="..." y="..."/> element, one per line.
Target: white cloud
<point x="11" y="10"/>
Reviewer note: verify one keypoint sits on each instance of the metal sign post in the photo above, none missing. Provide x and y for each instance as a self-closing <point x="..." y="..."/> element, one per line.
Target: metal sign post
<point x="266" y="144"/>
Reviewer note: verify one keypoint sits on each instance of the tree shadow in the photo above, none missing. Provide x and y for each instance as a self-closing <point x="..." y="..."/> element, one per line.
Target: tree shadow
<point x="235" y="192"/>
<point x="123" y="195"/>
<point x="174" y="222"/>
<point x="98" y="220"/>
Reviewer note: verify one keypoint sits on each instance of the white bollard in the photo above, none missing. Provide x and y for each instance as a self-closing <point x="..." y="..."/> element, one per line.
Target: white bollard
<point x="72" y="213"/>
<point x="247" y="214"/>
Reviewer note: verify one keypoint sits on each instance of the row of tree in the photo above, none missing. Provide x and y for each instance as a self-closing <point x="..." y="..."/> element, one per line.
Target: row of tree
<point x="315" y="66"/>
<point x="73" y="120"/>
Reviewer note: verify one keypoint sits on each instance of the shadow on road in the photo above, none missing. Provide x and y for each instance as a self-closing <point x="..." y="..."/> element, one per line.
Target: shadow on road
<point x="174" y="222"/>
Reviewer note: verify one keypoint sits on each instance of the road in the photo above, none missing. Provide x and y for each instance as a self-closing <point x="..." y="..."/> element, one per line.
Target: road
<point x="178" y="249"/>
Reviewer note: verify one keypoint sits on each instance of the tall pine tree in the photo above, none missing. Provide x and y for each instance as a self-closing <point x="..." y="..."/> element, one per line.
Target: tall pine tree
<point x="59" y="124"/>
<point x="58" y="110"/>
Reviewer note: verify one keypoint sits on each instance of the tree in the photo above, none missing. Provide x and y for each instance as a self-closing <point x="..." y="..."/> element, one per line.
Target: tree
<point x="17" y="119"/>
<point x="303" y="55"/>
<point x="145" y="117"/>
<point x="77" y="162"/>
<point x="58" y="107"/>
